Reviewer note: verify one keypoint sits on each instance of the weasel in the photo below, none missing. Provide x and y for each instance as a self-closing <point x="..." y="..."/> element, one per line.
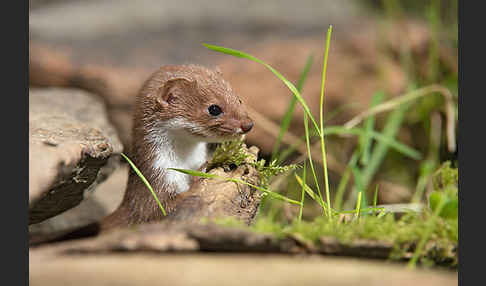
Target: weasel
<point x="178" y="111"/>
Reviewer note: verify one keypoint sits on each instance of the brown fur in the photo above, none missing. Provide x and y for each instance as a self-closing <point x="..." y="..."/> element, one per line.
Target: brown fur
<point x="186" y="92"/>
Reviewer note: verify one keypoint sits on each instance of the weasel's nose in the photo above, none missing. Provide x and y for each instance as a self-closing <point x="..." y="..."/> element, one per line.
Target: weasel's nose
<point x="246" y="126"/>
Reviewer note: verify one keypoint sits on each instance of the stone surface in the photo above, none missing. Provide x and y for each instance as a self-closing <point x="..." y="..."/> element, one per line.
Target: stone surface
<point x="207" y="199"/>
<point x="168" y="236"/>
<point x="154" y="246"/>
<point x="70" y="140"/>
<point x="102" y="201"/>
<point x="172" y="236"/>
<point x="223" y="269"/>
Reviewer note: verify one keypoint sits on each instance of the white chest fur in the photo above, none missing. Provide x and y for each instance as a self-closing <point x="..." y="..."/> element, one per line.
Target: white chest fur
<point x="178" y="151"/>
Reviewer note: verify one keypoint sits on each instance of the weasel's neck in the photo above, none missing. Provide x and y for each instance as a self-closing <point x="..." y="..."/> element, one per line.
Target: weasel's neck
<point x="172" y="149"/>
<point x="154" y="151"/>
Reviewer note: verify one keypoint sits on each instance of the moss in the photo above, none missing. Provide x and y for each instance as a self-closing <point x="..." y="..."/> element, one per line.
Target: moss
<point x="227" y="153"/>
<point x="403" y="233"/>
<point x="446" y="179"/>
<point x="445" y="182"/>
<point x="234" y="153"/>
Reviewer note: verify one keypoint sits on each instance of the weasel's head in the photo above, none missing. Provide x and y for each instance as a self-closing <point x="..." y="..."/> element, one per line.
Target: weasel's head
<point x="197" y="101"/>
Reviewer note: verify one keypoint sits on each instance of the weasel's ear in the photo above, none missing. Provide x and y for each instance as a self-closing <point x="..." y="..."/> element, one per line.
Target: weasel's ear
<point x="173" y="89"/>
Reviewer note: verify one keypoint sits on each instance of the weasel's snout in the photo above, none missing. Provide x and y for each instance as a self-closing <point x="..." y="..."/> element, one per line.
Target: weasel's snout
<point x="246" y="126"/>
<point x="237" y="126"/>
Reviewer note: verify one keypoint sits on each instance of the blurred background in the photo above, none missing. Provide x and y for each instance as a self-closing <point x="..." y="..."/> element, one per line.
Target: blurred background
<point x="379" y="49"/>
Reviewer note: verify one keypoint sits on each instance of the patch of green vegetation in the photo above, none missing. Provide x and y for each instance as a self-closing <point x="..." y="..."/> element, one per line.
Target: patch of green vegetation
<point x="429" y="237"/>
<point x="404" y="233"/>
<point x="423" y="237"/>
<point x="226" y="153"/>
<point x="426" y="237"/>
<point x="445" y="183"/>
<point x="271" y="170"/>
<point x="232" y="152"/>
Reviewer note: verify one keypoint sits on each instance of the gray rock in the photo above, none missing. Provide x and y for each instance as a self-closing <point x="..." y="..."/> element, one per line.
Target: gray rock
<point x="102" y="201"/>
<point x="70" y="142"/>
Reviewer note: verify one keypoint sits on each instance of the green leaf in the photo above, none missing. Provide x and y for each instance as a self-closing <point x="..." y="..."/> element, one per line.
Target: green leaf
<point x="309" y="191"/>
<point x="375" y="197"/>
<point x="358" y="204"/>
<point x="392" y="125"/>
<point x="365" y="139"/>
<point x="338" y="201"/>
<point x="287" y="118"/>
<point x="385" y="140"/>
<point x="451" y="209"/>
<point x="212" y="176"/>
<point x="302" y="195"/>
<point x="321" y="133"/>
<point x="359" y="185"/>
<point x="137" y="171"/>
<point x="434" y="200"/>
<point x="309" y="154"/>
<point x="196" y="173"/>
<point x="292" y="88"/>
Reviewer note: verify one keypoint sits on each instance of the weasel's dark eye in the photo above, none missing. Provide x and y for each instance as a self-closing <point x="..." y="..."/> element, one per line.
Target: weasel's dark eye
<point x="214" y="110"/>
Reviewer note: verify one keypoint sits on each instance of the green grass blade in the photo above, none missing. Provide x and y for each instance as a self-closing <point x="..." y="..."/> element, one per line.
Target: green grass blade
<point x="309" y="154"/>
<point x="301" y="209"/>
<point x="386" y="141"/>
<point x="212" y="176"/>
<point x="375" y="198"/>
<point x="390" y="130"/>
<point x="381" y="214"/>
<point x="427" y="168"/>
<point x="284" y="125"/>
<point x="358" y="204"/>
<point x="309" y="191"/>
<point x="361" y="189"/>
<point x="270" y="193"/>
<point x="321" y="109"/>
<point x="338" y="201"/>
<point x="365" y="140"/>
<point x="418" y="250"/>
<point x="292" y="88"/>
<point x="343" y="183"/>
<point x="328" y="116"/>
<point x="137" y="171"/>
<point x="196" y="173"/>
